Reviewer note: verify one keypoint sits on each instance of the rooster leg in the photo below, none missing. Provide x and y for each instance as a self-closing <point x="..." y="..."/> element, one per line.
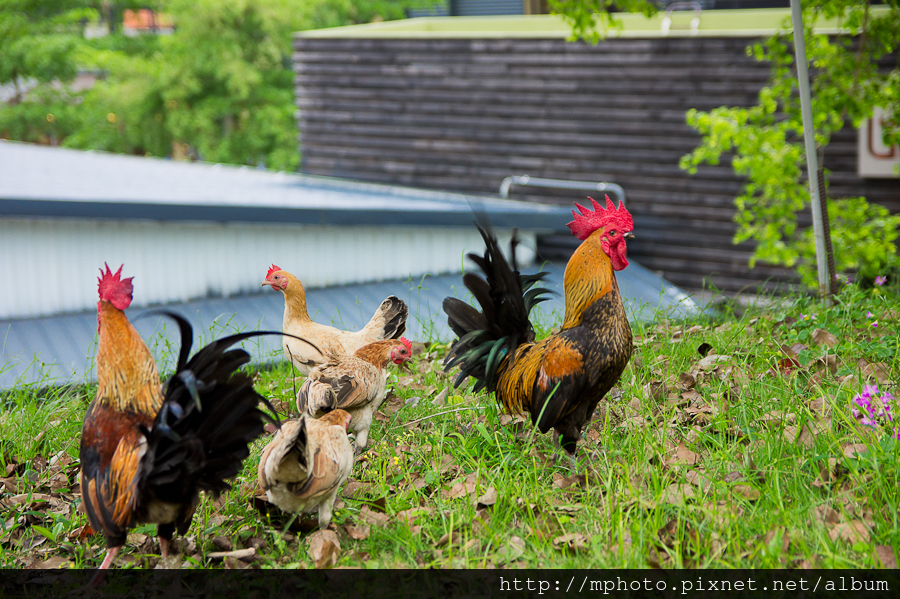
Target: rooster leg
<point x="165" y="533"/>
<point x="164" y="547"/>
<point x="110" y="556"/>
<point x="100" y="576"/>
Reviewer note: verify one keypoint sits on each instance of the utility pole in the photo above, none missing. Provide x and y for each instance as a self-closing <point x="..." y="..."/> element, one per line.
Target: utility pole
<point x="809" y="137"/>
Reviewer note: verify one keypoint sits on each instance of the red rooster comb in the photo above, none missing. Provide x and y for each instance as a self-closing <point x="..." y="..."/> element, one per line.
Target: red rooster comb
<point x="115" y="289"/>
<point x="590" y="220"/>
<point x="407" y="344"/>
<point x="272" y="269"/>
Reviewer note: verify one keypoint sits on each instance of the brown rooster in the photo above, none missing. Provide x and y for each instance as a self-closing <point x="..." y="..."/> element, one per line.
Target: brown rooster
<point x="388" y="322"/>
<point x="305" y="464"/>
<point x="147" y="451"/>
<point x="353" y="383"/>
<point x="560" y="379"/>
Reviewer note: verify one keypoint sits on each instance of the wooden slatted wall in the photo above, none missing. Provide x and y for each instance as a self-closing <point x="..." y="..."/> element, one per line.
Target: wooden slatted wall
<point x="462" y="114"/>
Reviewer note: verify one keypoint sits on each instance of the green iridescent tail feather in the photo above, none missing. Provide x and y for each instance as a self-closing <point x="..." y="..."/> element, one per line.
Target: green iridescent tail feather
<point x="506" y="298"/>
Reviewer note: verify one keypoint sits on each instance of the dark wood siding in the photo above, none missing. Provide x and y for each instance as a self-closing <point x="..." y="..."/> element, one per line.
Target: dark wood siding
<point x="462" y="114"/>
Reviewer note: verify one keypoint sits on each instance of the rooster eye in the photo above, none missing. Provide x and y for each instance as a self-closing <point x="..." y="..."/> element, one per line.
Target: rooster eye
<point x="612" y="234"/>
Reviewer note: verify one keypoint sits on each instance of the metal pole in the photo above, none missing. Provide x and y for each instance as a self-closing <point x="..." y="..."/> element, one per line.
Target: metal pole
<point x="809" y="138"/>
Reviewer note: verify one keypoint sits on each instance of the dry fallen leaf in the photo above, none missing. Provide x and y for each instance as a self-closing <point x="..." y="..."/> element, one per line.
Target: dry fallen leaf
<point x="683" y="455"/>
<point x="461" y="488"/>
<point x="712" y="360"/>
<point x="853" y="531"/>
<point x="746" y="491"/>
<point x="488" y="499"/>
<point x="55" y="563"/>
<point x="823" y="337"/>
<point x="454" y="537"/>
<point x="879" y="371"/>
<point x="367" y="514"/>
<point x="677" y="494"/>
<point x="686" y="380"/>
<point x="358" y="532"/>
<point x="574" y="542"/>
<point x="886" y="556"/>
<point x="324" y="548"/>
<point x="513" y="550"/>
<point x="826" y="515"/>
<point x="697" y="479"/>
<point x="779" y="532"/>
<point x="355" y="489"/>
<point x="237" y="554"/>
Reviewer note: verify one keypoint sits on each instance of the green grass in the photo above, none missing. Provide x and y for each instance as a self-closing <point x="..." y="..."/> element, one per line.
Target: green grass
<point x="746" y="467"/>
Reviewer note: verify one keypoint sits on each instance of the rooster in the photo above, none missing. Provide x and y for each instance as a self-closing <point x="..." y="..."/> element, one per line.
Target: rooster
<point x="353" y="383"/>
<point x="147" y="451"/>
<point x="388" y="322"/>
<point x="560" y="379"/>
<point x="305" y="464"/>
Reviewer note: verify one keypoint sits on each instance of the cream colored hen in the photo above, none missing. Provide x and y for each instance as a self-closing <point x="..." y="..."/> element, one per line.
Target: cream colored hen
<point x="306" y="463"/>
<point x="388" y="322"/>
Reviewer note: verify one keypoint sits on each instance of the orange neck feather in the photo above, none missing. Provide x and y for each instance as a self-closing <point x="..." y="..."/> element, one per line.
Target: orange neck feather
<point x="589" y="276"/>
<point x="126" y="371"/>
<point x="378" y="353"/>
<point x="295" y="298"/>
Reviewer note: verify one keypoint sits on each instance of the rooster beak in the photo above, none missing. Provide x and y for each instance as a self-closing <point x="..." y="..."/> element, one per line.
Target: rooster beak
<point x="628" y="235"/>
<point x="264" y="283"/>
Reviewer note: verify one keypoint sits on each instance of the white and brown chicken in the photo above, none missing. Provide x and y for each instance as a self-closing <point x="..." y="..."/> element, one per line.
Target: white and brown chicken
<point x="306" y="463"/>
<point x="353" y="383"/>
<point x="313" y="343"/>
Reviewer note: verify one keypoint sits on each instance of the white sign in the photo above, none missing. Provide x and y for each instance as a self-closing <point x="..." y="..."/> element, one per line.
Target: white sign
<point x="874" y="159"/>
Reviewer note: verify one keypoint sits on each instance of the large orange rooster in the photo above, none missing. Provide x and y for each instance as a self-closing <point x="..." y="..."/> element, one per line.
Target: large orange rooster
<point x="147" y="451"/>
<point x="560" y="379"/>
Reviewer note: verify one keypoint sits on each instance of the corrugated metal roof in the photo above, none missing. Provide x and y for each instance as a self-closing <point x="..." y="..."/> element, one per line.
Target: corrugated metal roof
<point x="61" y="349"/>
<point x="53" y="182"/>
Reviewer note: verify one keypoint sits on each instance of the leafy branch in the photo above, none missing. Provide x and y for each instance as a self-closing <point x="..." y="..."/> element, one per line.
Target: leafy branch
<point x="848" y="83"/>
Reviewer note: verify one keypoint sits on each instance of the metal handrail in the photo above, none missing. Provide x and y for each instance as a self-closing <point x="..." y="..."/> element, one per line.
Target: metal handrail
<point x="695" y="22"/>
<point x="612" y="188"/>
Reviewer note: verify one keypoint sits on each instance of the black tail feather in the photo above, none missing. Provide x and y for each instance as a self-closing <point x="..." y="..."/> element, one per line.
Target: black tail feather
<point x="193" y="445"/>
<point x="506" y="298"/>
<point x="395" y="313"/>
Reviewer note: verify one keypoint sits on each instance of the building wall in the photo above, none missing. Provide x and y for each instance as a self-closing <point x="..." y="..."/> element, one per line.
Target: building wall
<point x="49" y="266"/>
<point x="462" y="114"/>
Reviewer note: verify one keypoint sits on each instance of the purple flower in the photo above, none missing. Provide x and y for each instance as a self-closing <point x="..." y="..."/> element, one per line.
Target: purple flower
<point x="873" y="415"/>
<point x="875" y="324"/>
<point x="869" y="315"/>
<point x="880" y="280"/>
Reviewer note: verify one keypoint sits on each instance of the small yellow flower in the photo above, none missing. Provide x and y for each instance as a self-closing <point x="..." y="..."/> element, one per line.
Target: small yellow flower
<point x="50" y="118"/>
<point x="111" y="117"/>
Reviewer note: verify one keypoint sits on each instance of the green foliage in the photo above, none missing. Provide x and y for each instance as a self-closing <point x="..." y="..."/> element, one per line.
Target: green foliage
<point x="39" y="38"/>
<point x="766" y="140"/>
<point x="864" y="237"/>
<point x="219" y="88"/>
<point x="591" y="18"/>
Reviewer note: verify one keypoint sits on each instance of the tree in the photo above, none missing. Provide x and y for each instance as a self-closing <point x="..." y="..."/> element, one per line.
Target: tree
<point x="219" y="88"/>
<point x="39" y="39"/>
<point x="847" y="85"/>
<point x="590" y="19"/>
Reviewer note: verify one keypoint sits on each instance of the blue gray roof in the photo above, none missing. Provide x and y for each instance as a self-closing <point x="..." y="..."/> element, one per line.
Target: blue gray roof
<point x="61" y="349"/>
<point x="55" y="182"/>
